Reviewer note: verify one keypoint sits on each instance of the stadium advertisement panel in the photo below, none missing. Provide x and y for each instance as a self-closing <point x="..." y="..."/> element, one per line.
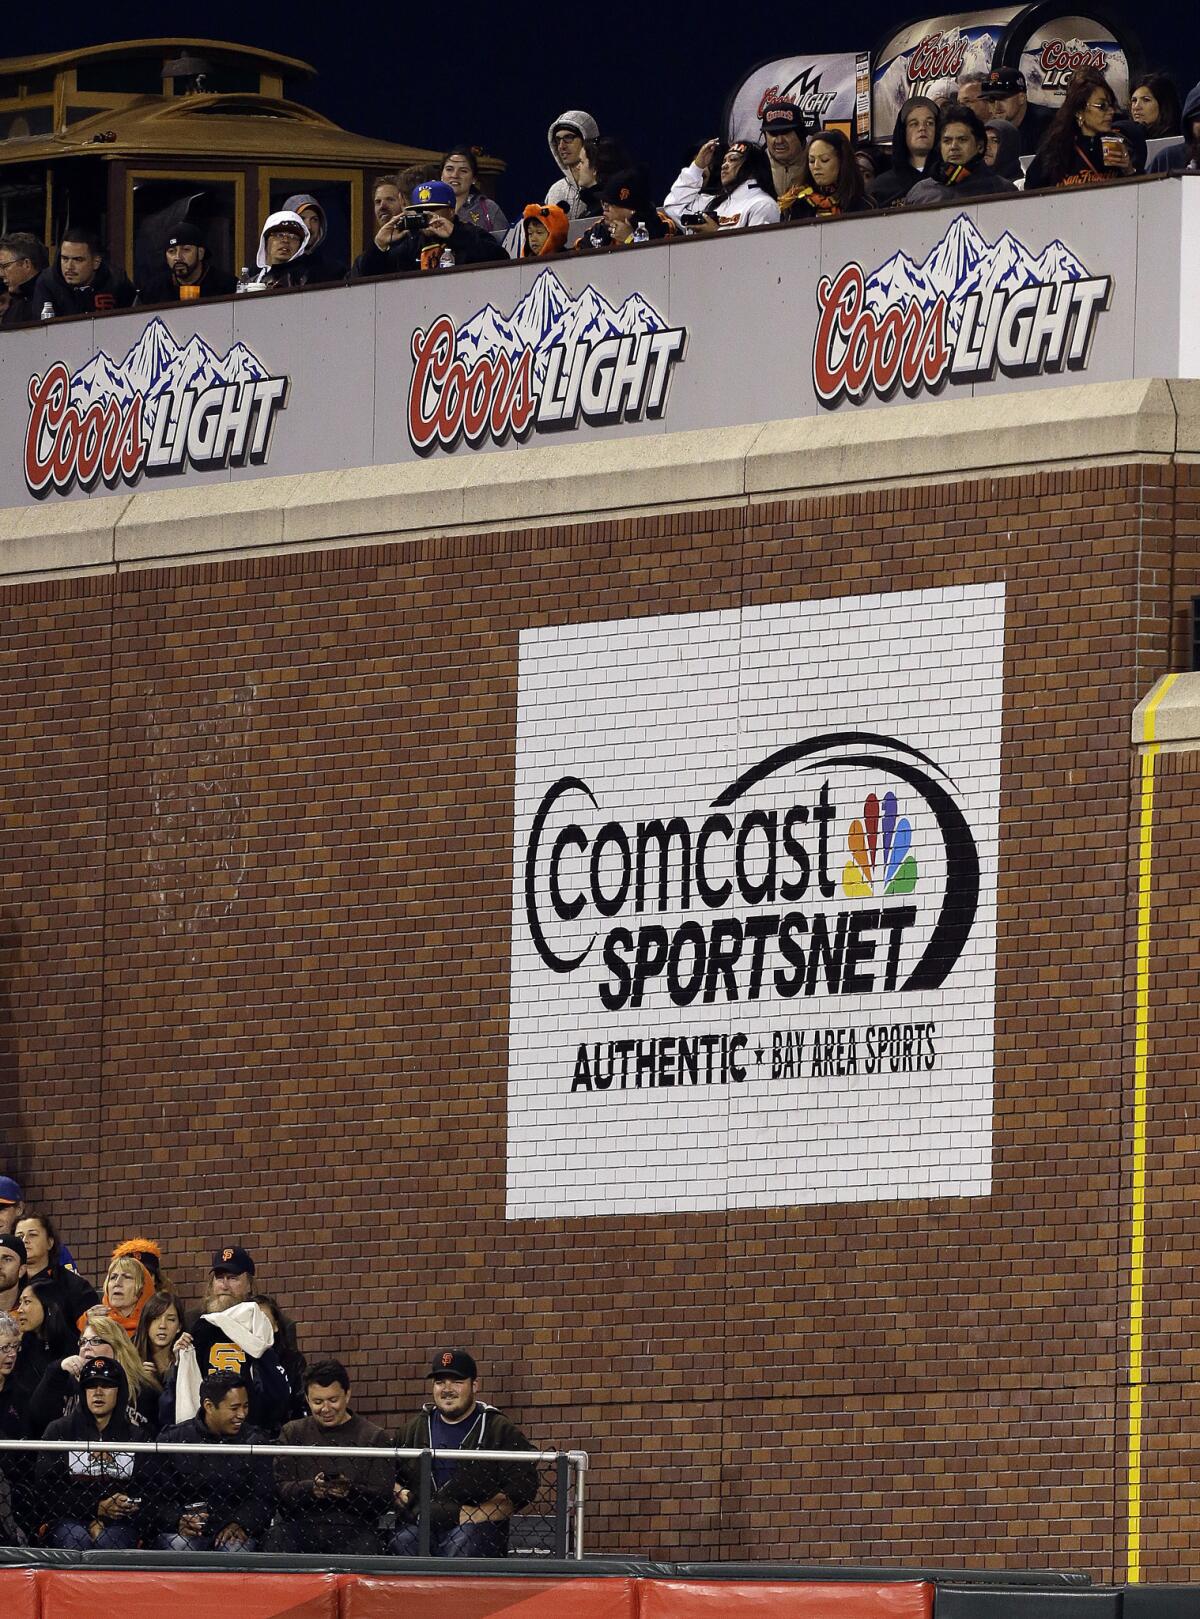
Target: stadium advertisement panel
<point x="761" y="326"/>
<point x="754" y="925"/>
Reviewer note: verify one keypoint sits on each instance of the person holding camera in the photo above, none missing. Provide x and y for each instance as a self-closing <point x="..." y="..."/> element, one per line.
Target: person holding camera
<point x="331" y="1505"/>
<point x="428" y="235"/>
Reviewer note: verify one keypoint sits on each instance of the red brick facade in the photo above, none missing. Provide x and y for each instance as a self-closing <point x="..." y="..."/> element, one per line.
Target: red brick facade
<point x="257" y="878"/>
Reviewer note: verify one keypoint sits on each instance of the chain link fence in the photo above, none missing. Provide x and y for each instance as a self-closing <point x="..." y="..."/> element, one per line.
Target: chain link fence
<point x="330" y="1500"/>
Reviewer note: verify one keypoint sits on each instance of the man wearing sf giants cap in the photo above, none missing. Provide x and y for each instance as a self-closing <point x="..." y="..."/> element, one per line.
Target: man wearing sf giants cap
<point x="471" y="1504"/>
<point x="785" y="130"/>
<point x="1003" y="92"/>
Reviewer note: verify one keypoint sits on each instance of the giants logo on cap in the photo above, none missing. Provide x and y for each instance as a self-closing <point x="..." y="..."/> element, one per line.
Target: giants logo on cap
<point x="447" y="1358"/>
<point x="226" y="1253"/>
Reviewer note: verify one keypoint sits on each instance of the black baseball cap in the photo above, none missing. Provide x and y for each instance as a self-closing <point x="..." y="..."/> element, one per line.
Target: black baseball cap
<point x="17" y="1246"/>
<point x="232" y="1261"/>
<point x="184" y="234"/>
<point x="780" y="114"/>
<point x="453" y="1363"/>
<point x="101" y="1371"/>
<point x="1003" y="81"/>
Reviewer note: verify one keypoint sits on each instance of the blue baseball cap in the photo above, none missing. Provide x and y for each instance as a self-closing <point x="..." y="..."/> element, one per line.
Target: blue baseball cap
<point x="10" y="1192"/>
<point x="433" y="194"/>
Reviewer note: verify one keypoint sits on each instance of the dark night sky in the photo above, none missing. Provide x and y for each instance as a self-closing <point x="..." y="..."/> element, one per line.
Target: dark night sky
<point x="496" y="75"/>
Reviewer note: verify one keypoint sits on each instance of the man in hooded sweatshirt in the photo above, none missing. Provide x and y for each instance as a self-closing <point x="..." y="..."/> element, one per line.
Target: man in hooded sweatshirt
<point x="281" y="249"/>
<point x="79" y="282"/>
<point x="566" y="136"/>
<point x="1004" y="149"/>
<point x="92" y="1499"/>
<point x="471" y="1504"/>
<point x="914" y="140"/>
<point x="320" y="265"/>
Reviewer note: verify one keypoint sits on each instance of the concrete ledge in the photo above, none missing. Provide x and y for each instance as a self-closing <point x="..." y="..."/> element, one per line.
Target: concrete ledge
<point x="68" y="536"/>
<point x="1169" y="715"/>
<point x="938" y="441"/>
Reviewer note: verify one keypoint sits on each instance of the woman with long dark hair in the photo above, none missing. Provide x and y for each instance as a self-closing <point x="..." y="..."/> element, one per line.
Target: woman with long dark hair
<point x="1155" y="107"/>
<point x="46" y="1337"/>
<point x="159" y="1330"/>
<point x="831" y="182"/>
<point x="1081" y="146"/>
<point x="45" y="1267"/>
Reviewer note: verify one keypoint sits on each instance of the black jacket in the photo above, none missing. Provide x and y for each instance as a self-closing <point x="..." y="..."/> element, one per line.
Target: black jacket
<point x="320" y="268"/>
<point x="72" y="1483"/>
<point x="1031" y="131"/>
<point x="1085" y="162"/>
<point x="468" y="244"/>
<point x="950" y="182"/>
<point x="162" y="287"/>
<point x="73" y="1295"/>
<point x="271" y="1395"/>
<point x="237" y="1489"/>
<point x="21" y="310"/>
<point x="471" y="1483"/>
<point x="110" y="289"/>
<point x="896" y="182"/>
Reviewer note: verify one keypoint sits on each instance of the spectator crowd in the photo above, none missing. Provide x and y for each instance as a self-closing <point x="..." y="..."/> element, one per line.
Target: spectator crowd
<point x="967" y="141"/>
<point x="97" y="1369"/>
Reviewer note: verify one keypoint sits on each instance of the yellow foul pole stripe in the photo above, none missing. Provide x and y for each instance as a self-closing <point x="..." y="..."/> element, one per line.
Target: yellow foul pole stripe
<point x="1137" y="1235"/>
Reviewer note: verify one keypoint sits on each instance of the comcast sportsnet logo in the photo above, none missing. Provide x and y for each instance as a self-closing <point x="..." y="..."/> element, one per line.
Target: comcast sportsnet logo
<point x="968" y="310"/>
<point x="165" y="408"/>
<point x="881" y="861"/>
<point x="551" y="363"/>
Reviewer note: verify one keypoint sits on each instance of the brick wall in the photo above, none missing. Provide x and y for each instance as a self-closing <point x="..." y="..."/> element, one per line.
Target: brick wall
<point x="258" y="829"/>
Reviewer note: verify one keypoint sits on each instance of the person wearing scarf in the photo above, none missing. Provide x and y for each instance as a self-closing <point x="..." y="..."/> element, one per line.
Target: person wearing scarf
<point x="830" y="182"/>
<point x="1082" y="146"/>
<point x="962" y="168"/>
<point x="127" y="1288"/>
<point x="91" y="1496"/>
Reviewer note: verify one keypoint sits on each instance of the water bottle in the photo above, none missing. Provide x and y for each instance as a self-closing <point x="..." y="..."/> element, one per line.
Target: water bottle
<point x="47" y="310"/>
<point x="447" y="259"/>
<point x="640" y="233"/>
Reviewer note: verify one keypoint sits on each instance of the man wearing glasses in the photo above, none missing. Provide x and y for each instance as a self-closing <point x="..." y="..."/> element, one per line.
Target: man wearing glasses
<point x="22" y="257"/>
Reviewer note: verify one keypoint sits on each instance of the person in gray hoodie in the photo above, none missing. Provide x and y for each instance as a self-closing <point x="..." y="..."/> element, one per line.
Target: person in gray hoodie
<point x="1004" y="149"/>
<point x="318" y="264"/>
<point x="1186" y="154"/>
<point x="566" y="136"/>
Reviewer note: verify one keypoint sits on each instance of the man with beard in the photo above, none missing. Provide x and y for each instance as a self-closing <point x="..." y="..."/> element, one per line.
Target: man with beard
<point x="188" y="265"/>
<point x="471" y="1504"/>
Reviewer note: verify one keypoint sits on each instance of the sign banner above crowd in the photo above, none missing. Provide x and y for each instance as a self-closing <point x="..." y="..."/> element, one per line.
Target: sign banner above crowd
<point x="754" y="963"/>
<point x="1046" y="42"/>
<point x="753" y="326"/>
<point x="828" y="90"/>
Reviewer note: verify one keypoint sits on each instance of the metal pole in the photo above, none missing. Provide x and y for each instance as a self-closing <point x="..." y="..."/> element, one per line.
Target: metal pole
<point x="424" y="1496"/>
<point x="579" y="1458"/>
<point x="562" y="1504"/>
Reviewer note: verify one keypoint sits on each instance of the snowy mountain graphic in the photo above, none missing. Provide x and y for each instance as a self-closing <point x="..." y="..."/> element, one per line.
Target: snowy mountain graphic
<point x="160" y="369"/>
<point x="547" y="316"/>
<point x="963" y="262"/>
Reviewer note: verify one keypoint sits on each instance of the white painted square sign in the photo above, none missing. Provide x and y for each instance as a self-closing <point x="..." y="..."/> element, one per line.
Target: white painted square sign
<point x="754" y="896"/>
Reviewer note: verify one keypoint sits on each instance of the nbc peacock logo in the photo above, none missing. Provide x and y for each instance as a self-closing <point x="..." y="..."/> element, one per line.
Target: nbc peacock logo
<point x="879" y="843"/>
